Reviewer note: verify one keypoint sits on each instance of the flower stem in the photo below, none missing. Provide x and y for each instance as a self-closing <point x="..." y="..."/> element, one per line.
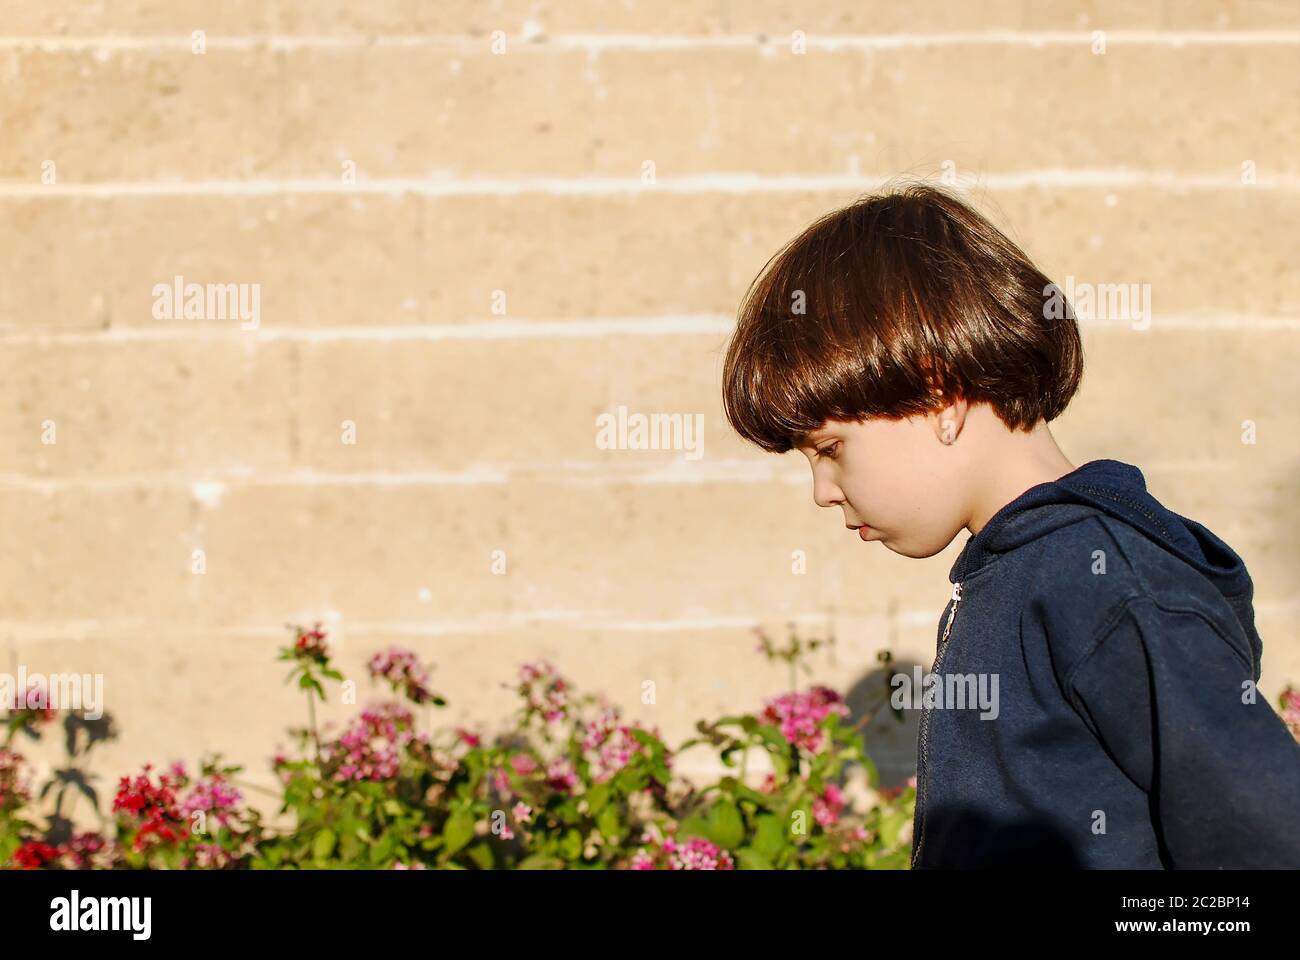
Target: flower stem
<point x="311" y="716"/>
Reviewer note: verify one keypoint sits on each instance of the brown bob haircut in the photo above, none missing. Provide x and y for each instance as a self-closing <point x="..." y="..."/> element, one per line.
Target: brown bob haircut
<point x="890" y="308"/>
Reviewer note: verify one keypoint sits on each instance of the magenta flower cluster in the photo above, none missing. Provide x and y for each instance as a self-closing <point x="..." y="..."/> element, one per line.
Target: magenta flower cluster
<point x="826" y="807"/>
<point x="372" y="745"/>
<point x="799" y="715"/>
<point x="1291" y="711"/>
<point x="665" y="853"/>
<point x="544" y="690"/>
<point x="15" y="788"/>
<point x="402" y="670"/>
<point x="215" y="797"/>
<point x="612" y="742"/>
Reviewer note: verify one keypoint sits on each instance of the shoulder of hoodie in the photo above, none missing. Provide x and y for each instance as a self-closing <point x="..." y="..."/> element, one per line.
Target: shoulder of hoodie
<point x="1136" y="570"/>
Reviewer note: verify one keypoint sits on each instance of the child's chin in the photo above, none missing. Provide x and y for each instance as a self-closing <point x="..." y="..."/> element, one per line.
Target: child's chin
<point x="911" y="550"/>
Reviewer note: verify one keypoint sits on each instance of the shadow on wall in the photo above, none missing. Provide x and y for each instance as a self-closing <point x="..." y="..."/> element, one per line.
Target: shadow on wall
<point x="887" y="740"/>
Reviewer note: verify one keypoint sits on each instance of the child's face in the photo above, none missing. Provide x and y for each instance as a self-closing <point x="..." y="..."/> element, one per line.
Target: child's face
<point x="896" y="476"/>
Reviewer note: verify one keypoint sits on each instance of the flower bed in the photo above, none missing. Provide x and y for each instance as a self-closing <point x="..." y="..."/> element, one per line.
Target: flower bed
<point x="568" y="784"/>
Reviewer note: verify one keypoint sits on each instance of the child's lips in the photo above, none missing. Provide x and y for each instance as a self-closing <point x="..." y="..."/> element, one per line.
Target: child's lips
<point x="864" y="532"/>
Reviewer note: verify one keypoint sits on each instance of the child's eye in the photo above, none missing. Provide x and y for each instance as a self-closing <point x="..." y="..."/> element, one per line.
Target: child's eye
<point x="827" y="451"/>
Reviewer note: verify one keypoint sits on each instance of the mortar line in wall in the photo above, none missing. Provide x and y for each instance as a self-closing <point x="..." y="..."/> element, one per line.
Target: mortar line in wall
<point x="523" y="329"/>
<point x="210" y="487"/>
<point x="520" y="329"/>
<point x="730" y="182"/>
<point x="533" y="39"/>
<point x="593" y="621"/>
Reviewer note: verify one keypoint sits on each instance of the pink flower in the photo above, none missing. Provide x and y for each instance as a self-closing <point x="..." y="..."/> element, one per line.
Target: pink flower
<point x="799" y="715"/>
<point x="522" y="812"/>
<point x="213" y="796"/>
<point x="401" y="669"/>
<point x="372" y="746"/>
<point x="699" y="854"/>
<point x="544" y="689"/>
<point x="613" y="743"/>
<point x="561" y="775"/>
<point x="827" y="807"/>
<point x="88" y="851"/>
<point x="696" y="853"/>
<point x="889" y="793"/>
<point x="523" y="764"/>
<point x="15" y="788"/>
<point x="469" y="739"/>
<point x="1291" y="711"/>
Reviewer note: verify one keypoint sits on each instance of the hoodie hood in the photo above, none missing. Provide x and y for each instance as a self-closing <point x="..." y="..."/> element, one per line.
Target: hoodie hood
<point x="1120" y="490"/>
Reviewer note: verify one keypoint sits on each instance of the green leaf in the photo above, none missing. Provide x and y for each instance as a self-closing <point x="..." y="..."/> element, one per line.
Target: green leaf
<point x="597" y="798"/>
<point x="540" y="861"/>
<point x="769" y="835"/>
<point x="750" y="859"/>
<point x="458" y="831"/>
<point x="571" y="844"/>
<point x="726" y="827"/>
<point x="323" y="845"/>
<point x="694" y="827"/>
<point x="481" y="854"/>
<point x="609" y="823"/>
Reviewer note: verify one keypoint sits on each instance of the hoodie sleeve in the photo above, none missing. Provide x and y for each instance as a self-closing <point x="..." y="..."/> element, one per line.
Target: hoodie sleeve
<point x="1164" y="692"/>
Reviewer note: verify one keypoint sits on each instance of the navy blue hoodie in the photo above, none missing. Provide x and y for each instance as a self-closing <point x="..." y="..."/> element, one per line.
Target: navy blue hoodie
<point x="1122" y="641"/>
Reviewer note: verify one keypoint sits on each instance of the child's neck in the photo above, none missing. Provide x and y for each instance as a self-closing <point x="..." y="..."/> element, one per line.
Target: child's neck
<point x="1012" y="463"/>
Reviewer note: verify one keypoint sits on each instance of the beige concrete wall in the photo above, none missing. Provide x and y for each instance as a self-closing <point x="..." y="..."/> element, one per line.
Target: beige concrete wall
<point x="458" y="251"/>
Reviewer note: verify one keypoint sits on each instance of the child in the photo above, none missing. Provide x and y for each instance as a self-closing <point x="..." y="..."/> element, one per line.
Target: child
<point x="915" y="355"/>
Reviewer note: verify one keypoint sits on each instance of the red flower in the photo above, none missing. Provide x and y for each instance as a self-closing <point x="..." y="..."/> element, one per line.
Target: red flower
<point x="33" y="855"/>
<point x="154" y="806"/>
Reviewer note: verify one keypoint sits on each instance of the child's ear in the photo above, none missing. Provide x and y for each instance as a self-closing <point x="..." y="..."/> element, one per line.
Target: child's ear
<point x="949" y="421"/>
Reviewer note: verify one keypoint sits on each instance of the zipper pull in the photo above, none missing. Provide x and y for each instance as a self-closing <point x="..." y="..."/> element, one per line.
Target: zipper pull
<point x="956" y="599"/>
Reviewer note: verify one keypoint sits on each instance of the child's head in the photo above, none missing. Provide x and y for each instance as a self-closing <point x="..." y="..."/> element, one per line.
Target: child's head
<point x="900" y="343"/>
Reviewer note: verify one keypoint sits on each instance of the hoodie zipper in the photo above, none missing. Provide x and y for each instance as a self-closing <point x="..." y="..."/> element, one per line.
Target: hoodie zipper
<point x="925" y="726"/>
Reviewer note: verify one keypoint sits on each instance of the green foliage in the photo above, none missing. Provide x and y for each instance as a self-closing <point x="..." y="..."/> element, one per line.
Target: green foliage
<point x="568" y="784"/>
